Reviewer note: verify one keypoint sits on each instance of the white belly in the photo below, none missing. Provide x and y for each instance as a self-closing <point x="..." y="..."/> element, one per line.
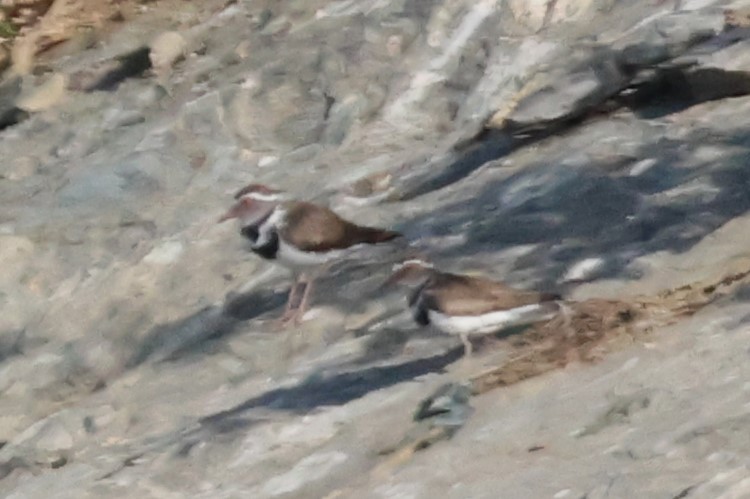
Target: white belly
<point x="490" y="322"/>
<point x="289" y="256"/>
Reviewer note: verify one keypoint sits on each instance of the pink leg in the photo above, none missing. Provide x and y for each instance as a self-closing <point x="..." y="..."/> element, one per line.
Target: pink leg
<point x="293" y="292"/>
<point x="303" y="304"/>
<point x="468" y="347"/>
<point x="290" y="310"/>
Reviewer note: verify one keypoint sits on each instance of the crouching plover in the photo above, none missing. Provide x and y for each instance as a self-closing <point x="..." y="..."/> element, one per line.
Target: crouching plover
<point x="464" y="305"/>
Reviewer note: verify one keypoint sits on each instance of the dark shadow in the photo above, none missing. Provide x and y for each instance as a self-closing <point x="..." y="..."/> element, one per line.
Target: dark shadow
<point x="338" y="389"/>
<point x="245" y="307"/>
<point x="203" y="332"/>
<point x="127" y="66"/>
<point x="12" y="116"/>
<point x="673" y="90"/>
<point x="217" y="430"/>
<point x="487" y="146"/>
<point x="167" y="341"/>
<point x="741" y="294"/>
<point x="384" y="344"/>
<point x="12" y="344"/>
<point x="199" y="332"/>
<point x="579" y="211"/>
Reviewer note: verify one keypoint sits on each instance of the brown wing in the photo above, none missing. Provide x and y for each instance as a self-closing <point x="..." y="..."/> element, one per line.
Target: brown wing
<point x="501" y="291"/>
<point x="464" y="295"/>
<point x="310" y="227"/>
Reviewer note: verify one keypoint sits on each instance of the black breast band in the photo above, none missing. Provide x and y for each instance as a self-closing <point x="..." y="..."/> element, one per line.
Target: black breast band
<point x="420" y="314"/>
<point x="418" y="307"/>
<point x="270" y="248"/>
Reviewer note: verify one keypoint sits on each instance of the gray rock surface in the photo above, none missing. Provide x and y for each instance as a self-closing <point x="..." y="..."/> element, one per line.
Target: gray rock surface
<point x="598" y="147"/>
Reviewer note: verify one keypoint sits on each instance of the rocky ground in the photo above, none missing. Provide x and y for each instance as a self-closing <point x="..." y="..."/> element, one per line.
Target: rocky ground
<point x="598" y="147"/>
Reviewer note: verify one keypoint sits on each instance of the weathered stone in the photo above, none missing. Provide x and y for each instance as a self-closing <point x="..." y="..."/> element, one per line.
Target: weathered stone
<point x="277" y="27"/>
<point x="531" y="14"/>
<point x="666" y="37"/>
<point x="84" y="38"/>
<point x="565" y="93"/>
<point x="303" y="154"/>
<point x="10" y="113"/>
<point x="243" y="49"/>
<point x="54" y="437"/>
<point x="267" y="161"/>
<point x="302" y="116"/>
<point x="342" y="116"/>
<point x="150" y="96"/>
<point x="21" y="168"/>
<point x="118" y="118"/>
<point x="16" y="250"/>
<point x="538" y="14"/>
<point x="310" y="469"/>
<point x="166" y="253"/>
<point x="139" y="329"/>
<point x="395" y="45"/>
<point x="165" y="50"/>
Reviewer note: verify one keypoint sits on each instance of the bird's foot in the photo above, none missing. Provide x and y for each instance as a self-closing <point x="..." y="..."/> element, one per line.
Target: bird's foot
<point x="290" y="317"/>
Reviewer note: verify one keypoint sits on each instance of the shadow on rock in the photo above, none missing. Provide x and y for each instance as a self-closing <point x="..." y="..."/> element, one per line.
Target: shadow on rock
<point x="338" y="389"/>
<point x="198" y="332"/>
<point x="125" y="66"/>
<point x="675" y="90"/>
<point x="572" y="212"/>
<point x="383" y="344"/>
<point x="12" y="344"/>
<point x="244" y="307"/>
<point x="489" y="145"/>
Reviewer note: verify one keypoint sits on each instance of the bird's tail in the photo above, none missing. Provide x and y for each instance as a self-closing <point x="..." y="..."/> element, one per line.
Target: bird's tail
<point x="550" y="297"/>
<point x="382" y="236"/>
<point x="566" y="312"/>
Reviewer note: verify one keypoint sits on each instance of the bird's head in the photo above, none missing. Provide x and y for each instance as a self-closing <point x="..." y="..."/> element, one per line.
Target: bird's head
<point x="253" y="203"/>
<point x="410" y="273"/>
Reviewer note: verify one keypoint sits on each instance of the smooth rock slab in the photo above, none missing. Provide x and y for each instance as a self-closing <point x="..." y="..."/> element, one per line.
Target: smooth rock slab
<point x="309" y="469"/>
<point x="66" y="483"/>
<point x="165" y="253"/>
<point x="45" y="96"/>
<point x="54" y="437"/>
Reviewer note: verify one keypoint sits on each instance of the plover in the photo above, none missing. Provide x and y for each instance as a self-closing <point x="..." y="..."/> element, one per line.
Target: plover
<point x="304" y="237"/>
<point x="464" y="305"/>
